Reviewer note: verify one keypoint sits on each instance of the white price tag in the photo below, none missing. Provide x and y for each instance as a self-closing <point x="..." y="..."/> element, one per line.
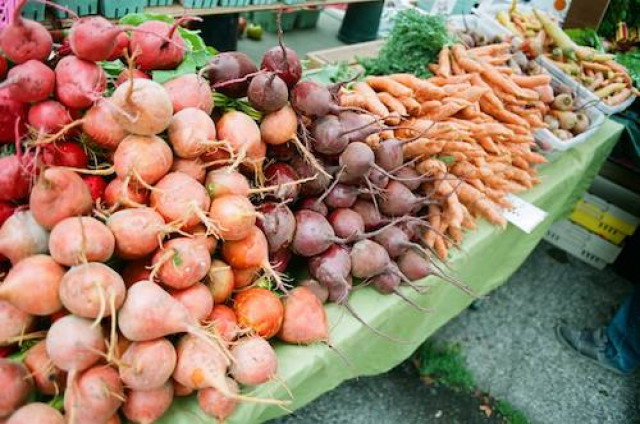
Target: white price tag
<point x="524" y="215"/>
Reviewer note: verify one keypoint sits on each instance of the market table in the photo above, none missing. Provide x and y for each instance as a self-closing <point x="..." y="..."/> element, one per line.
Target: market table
<point x="487" y="258"/>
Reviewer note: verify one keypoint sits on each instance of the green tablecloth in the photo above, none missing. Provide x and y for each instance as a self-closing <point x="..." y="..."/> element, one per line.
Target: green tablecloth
<point x="488" y="257"/>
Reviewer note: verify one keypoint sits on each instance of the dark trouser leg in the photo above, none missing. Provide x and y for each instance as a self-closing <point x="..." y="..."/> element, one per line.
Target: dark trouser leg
<point x="624" y="333"/>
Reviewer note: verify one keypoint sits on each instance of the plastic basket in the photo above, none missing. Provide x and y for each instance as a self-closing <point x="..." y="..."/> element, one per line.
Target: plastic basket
<point x="582" y="244"/>
<point x="199" y="4"/>
<point x="603" y="218"/>
<point x="308" y="18"/>
<point x="119" y="8"/>
<point x="263" y="2"/>
<point x="81" y="7"/>
<point x="153" y="3"/>
<point x="268" y="20"/>
<point x="234" y="3"/>
<point x="33" y="10"/>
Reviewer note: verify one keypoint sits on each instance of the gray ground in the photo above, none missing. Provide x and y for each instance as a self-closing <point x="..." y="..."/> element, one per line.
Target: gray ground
<point x="512" y="353"/>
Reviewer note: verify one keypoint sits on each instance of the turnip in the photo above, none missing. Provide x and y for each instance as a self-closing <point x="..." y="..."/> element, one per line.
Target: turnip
<point x="79" y="83"/>
<point x="194" y="168"/>
<point x="358" y="126"/>
<point x="343" y="195"/>
<point x="99" y="124"/>
<point x="74" y="344"/>
<point x="24" y="39"/>
<point x="319" y="291"/>
<point x="81" y="239"/>
<point x="142" y="106"/>
<point x="182" y="200"/>
<point x="313" y="204"/>
<point x="228" y="73"/>
<point x="332" y="267"/>
<point x="16" y="386"/>
<point x="197" y="299"/>
<point x="148" y="405"/>
<point x="125" y="193"/>
<point x="181" y="262"/>
<point x="21" y="236"/>
<point x="396" y="242"/>
<point x="93" y="38"/>
<point x="32" y="285"/>
<point x="13" y="323"/>
<point x="48" y="116"/>
<point x="13" y="115"/>
<point x="225" y="322"/>
<point x="369" y="213"/>
<point x="189" y="90"/>
<point x="158" y="45"/>
<point x="191" y="133"/>
<point x="48" y="378"/>
<point x="313" y="234"/>
<point x="149" y="313"/>
<point x="267" y="92"/>
<point x="305" y="319"/>
<point x="234" y="215"/>
<point x="260" y="310"/>
<point x="147" y="365"/>
<point x="59" y="194"/>
<point x="313" y="99"/>
<point x="30" y="82"/>
<point x="346" y="223"/>
<point x="148" y="158"/>
<point x="251" y="252"/>
<point x="92" y="290"/>
<point x="368" y="259"/>
<point x="283" y="61"/>
<point x="254" y="361"/>
<point x="137" y="232"/>
<point x="36" y="412"/>
<point x="224" y="181"/>
<point x="278" y="224"/>
<point x="217" y="405"/>
<point x="96" y="395"/>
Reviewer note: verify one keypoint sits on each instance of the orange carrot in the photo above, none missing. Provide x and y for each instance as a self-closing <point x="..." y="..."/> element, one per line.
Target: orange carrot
<point x="373" y="104"/>
<point x="444" y="63"/>
<point x="393" y="104"/>
<point x="411" y="105"/>
<point x="531" y="81"/>
<point x="381" y="83"/>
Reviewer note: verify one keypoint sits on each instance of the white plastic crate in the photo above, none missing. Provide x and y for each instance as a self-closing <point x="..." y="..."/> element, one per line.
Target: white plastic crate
<point x="596" y="119"/>
<point x="582" y="244"/>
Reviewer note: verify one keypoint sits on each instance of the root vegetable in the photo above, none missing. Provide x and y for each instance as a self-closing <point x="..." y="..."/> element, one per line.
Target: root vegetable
<point x="148" y="365"/>
<point x="267" y="92"/>
<point x="59" y="194"/>
<point x="182" y="262"/>
<point x="147" y="157"/>
<point x="189" y="91"/>
<point x="74" y="344"/>
<point x="567" y="120"/>
<point x="305" y="319"/>
<point x="36" y="412"/>
<point x="315" y="205"/>
<point x="346" y="223"/>
<point x="99" y="124"/>
<point x="181" y="200"/>
<point x="79" y="83"/>
<point x="328" y="136"/>
<point x="13" y="322"/>
<point x="234" y="215"/>
<point x="400" y="201"/>
<point x="132" y="196"/>
<point x="92" y="290"/>
<point x="312" y="99"/>
<point x="158" y="45"/>
<point x="197" y="299"/>
<point x="126" y="75"/>
<point x="15" y="178"/>
<point x="217" y="405"/>
<point x="319" y="291"/>
<point x="315" y="186"/>
<point x="48" y="116"/>
<point x="280" y="259"/>
<point x="30" y="82"/>
<point x="32" y="285"/>
<point x="194" y="168"/>
<point x="16" y="386"/>
<point x="82" y="239"/>
<point x="24" y="39"/>
<point x="243" y="135"/>
<point x="313" y="234"/>
<point x="191" y="133"/>
<point x="137" y="232"/>
<point x="136" y="271"/>
<point x="369" y="213"/>
<point x="48" y="379"/>
<point x="95" y="396"/>
<point x="368" y="259"/>
<point x="278" y="224"/>
<point x="122" y="46"/>
<point x="142" y="107"/>
<point x="21" y="237"/>
<point x="286" y="65"/>
<point x="12" y="112"/>
<point x="254" y="361"/>
<point x="283" y="178"/>
<point x="220" y="281"/>
<point x="225" y="322"/>
<point x="93" y="38"/>
<point x="149" y="405"/>
<point x="65" y="153"/>
<point x="259" y="310"/>
<point x="563" y="102"/>
<point x="332" y="267"/>
<point x="225" y="181"/>
<point x="230" y="66"/>
<point x="243" y="277"/>
<point x="582" y="123"/>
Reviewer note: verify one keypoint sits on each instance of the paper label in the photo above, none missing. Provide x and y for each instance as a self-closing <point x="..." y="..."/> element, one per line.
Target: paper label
<point x="524" y="215"/>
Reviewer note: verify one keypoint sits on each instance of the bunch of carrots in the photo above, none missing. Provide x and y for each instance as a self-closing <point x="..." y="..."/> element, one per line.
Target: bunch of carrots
<point x="469" y="129"/>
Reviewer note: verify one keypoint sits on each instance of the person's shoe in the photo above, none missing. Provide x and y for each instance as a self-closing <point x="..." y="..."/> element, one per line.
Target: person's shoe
<point x="590" y="344"/>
